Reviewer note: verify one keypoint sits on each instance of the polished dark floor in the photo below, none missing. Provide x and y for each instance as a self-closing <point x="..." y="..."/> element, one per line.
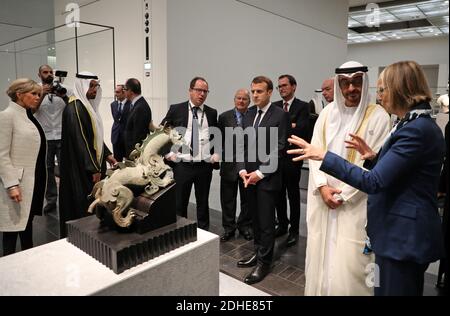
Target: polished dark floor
<point x="286" y="279"/>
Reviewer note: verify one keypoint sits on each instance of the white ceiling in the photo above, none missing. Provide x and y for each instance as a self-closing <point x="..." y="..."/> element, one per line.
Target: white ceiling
<point x="399" y="20"/>
<point x="357" y="3"/>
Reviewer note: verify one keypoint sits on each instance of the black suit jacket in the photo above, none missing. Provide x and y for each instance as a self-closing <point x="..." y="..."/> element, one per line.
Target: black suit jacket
<point x="138" y="125"/>
<point x="298" y="115"/>
<point x="277" y="118"/>
<point x="120" y="120"/>
<point x="178" y="116"/>
<point x="228" y="169"/>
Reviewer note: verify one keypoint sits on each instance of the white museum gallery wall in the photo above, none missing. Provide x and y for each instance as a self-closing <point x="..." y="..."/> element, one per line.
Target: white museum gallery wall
<point x="432" y="53"/>
<point x="95" y="50"/>
<point x="230" y="42"/>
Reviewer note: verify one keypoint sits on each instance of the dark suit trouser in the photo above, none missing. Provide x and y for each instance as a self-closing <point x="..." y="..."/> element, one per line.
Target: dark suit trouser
<point x="119" y="150"/>
<point x="197" y="174"/>
<point x="262" y="206"/>
<point x="53" y="150"/>
<point x="291" y="172"/>
<point x="26" y="239"/>
<point x="228" y="196"/>
<point x="400" y="278"/>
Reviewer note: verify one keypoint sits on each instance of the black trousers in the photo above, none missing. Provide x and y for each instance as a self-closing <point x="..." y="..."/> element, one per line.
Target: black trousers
<point x="228" y="196"/>
<point x="26" y="239"/>
<point x="262" y="206"/>
<point x="53" y="150"/>
<point x="119" y="150"/>
<point x="291" y="173"/>
<point x="400" y="278"/>
<point x="197" y="174"/>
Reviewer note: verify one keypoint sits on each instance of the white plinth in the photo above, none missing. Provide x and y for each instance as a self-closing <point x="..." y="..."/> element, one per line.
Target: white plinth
<point x="59" y="268"/>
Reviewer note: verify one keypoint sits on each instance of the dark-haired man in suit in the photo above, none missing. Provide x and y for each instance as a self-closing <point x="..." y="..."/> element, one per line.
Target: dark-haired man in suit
<point x="120" y="110"/>
<point x="138" y="124"/>
<point x="229" y="177"/>
<point x="194" y="119"/>
<point x="262" y="176"/>
<point x="291" y="171"/>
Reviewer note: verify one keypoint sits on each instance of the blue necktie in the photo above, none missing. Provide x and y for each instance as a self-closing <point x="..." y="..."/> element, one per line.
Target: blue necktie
<point x="239" y="119"/>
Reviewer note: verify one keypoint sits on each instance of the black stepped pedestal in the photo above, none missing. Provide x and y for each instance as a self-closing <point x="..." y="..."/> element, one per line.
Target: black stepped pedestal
<point x="122" y="251"/>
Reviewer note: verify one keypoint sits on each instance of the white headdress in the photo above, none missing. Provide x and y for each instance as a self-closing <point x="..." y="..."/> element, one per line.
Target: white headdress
<point x="82" y="83"/>
<point x="349" y="69"/>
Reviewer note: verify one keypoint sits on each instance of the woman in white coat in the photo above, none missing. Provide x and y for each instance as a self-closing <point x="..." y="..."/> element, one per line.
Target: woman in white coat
<point x="22" y="165"/>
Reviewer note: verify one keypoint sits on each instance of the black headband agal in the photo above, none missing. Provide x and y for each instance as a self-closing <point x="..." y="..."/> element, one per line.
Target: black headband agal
<point x="92" y="77"/>
<point x="342" y="71"/>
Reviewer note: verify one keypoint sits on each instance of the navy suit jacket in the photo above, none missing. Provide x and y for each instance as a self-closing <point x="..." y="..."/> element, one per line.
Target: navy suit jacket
<point x="178" y="116"/>
<point x="120" y="120"/>
<point x="276" y="118"/>
<point x="403" y="221"/>
<point x="138" y="125"/>
<point x="298" y="115"/>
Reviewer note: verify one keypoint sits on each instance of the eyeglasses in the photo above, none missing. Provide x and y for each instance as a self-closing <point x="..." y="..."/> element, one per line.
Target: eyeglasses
<point x="344" y="82"/>
<point x="282" y="86"/>
<point x="242" y="99"/>
<point x="381" y="90"/>
<point x="199" y="91"/>
<point x="96" y="86"/>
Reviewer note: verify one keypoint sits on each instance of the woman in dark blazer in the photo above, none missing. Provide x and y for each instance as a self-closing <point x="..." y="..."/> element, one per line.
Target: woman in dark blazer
<point x="22" y="165"/>
<point x="402" y="182"/>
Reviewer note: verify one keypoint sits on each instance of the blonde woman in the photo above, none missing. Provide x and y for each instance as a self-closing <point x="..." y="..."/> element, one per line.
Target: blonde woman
<point x="22" y="165"/>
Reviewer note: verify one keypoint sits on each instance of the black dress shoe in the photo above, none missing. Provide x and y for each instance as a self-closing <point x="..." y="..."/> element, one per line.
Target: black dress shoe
<point x="258" y="274"/>
<point x="227" y="236"/>
<point x="292" y="239"/>
<point x="246" y="234"/>
<point x="280" y="231"/>
<point x="247" y="262"/>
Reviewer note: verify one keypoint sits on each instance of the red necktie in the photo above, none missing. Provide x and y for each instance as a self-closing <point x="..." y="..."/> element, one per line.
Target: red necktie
<point x="286" y="107"/>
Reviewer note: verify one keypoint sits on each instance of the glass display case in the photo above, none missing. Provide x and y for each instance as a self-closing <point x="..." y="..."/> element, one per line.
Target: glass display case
<point x="76" y="47"/>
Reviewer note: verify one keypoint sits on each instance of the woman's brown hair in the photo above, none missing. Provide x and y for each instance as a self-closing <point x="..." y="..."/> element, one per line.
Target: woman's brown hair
<point x="406" y="85"/>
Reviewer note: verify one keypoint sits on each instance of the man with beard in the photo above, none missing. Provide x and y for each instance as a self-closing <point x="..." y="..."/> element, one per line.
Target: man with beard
<point x="336" y="212"/>
<point x="49" y="115"/>
<point x="83" y="152"/>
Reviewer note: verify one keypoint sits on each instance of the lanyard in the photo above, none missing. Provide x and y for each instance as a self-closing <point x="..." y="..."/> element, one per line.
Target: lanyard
<point x="193" y="116"/>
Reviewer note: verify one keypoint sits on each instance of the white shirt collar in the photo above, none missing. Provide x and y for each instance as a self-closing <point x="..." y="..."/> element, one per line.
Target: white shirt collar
<point x="192" y="105"/>
<point x="290" y="101"/>
<point x="264" y="109"/>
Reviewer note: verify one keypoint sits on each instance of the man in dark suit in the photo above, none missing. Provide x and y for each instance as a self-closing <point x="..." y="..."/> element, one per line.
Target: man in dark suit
<point x="194" y="120"/>
<point x="120" y="110"/>
<point x="262" y="176"/>
<point x="291" y="171"/>
<point x="140" y="117"/>
<point x="229" y="175"/>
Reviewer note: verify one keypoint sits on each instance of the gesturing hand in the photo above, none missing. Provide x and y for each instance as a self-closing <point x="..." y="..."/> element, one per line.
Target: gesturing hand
<point x="358" y="144"/>
<point x="306" y="151"/>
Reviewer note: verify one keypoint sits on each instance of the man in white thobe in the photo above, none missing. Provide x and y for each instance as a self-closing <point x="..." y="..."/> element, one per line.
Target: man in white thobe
<point x="336" y="213"/>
